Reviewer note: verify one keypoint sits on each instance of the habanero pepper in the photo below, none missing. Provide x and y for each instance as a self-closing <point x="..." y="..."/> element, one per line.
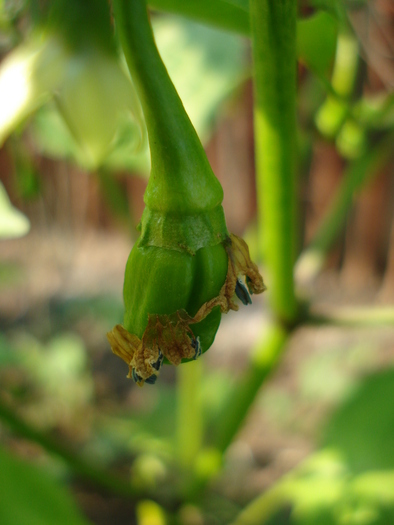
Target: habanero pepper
<point x="183" y="272"/>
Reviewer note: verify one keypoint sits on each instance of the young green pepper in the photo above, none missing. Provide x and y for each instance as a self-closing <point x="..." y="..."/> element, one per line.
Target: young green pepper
<point x="182" y="273"/>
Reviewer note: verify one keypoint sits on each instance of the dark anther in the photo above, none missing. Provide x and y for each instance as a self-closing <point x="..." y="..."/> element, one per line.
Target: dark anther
<point x="159" y="363"/>
<point x="242" y="293"/>
<point x="248" y="284"/>
<point x="136" y="377"/>
<point x="196" y="345"/>
<point x="151" y="379"/>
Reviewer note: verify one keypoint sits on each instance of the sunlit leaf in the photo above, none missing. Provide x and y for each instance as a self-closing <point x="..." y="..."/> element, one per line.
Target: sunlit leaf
<point x="363" y="428"/>
<point x="27" y="77"/>
<point x="93" y="97"/>
<point x="205" y="64"/>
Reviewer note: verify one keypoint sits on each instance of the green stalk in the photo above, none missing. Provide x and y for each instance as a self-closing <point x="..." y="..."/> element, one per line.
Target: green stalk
<point x="262" y="361"/>
<point x="274" y="52"/>
<point x="178" y="158"/>
<point x="189" y="414"/>
<point x="358" y="173"/>
<point x="274" y="44"/>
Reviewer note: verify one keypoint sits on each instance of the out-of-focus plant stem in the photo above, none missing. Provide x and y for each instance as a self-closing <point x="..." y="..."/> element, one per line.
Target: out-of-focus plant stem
<point x="274" y="45"/>
<point x="273" y="40"/>
<point x="262" y="361"/>
<point x="358" y="173"/>
<point x="99" y="477"/>
<point x="189" y="413"/>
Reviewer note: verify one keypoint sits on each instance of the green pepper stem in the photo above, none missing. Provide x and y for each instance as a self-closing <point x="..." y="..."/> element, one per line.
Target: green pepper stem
<point x="189" y="413"/>
<point x="181" y="179"/>
<point x="263" y="360"/>
<point x="274" y="52"/>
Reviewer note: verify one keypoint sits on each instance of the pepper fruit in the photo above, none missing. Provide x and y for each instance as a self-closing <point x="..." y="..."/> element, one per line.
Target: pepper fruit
<point x="183" y="272"/>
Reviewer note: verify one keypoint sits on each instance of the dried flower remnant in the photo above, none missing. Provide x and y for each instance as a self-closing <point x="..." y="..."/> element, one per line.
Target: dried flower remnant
<point x="171" y="336"/>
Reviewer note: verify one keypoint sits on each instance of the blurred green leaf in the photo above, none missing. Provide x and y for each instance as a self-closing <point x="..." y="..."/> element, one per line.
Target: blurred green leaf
<point x="352" y="140"/>
<point x="322" y="491"/>
<point x="30" y="496"/>
<point x="316" y="41"/>
<point x="94" y="95"/>
<point x="231" y="15"/>
<point x="205" y="65"/>
<point x="53" y="138"/>
<point x="58" y="382"/>
<point x="363" y="427"/>
<point x="150" y="513"/>
<point x="12" y="222"/>
<point x="8" y="355"/>
<point x="375" y="111"/>
<point x="27" y="76"/>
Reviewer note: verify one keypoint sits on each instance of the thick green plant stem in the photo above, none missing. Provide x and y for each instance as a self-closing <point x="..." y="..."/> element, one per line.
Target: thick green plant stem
<point x="92" y="473"/>
<point x="273" y="40"/>
<point x="358" y="173"/>
<point x="262" y="361"/>
<point x="178" y="158"/>
<point x="274" y="53"/>
<point x="189" y="414"/>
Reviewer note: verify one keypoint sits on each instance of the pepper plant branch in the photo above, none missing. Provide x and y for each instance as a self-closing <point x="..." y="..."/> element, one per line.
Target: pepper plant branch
<point x="263" y="360"/>
<point x="189" y="413"/>
<point x="358" y="173"/>
<point x="274" y="44"/>
<point x="99" y="477"/>
<point x="273" y="41"/>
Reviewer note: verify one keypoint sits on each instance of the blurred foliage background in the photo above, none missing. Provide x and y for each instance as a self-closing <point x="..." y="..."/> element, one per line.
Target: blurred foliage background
<point x="79" y="443"/>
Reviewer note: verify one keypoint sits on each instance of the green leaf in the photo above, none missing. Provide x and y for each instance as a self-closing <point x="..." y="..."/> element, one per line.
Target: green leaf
<point x="12" y="222"/>
<point x="27" y="76"/>
<point x="363" y="428"/>
<point x="31" y="496"/>
<point x="232" y="15"/>
<point x="316" y="41"/>
<point x="53" y="138"/>
<point x="205" y="65"/>
<point x="323" y="491"/>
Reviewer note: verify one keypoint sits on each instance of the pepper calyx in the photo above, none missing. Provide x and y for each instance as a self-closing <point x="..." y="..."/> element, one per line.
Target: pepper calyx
<point x="171" y="336"/>
<point x="186" y="232"/>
